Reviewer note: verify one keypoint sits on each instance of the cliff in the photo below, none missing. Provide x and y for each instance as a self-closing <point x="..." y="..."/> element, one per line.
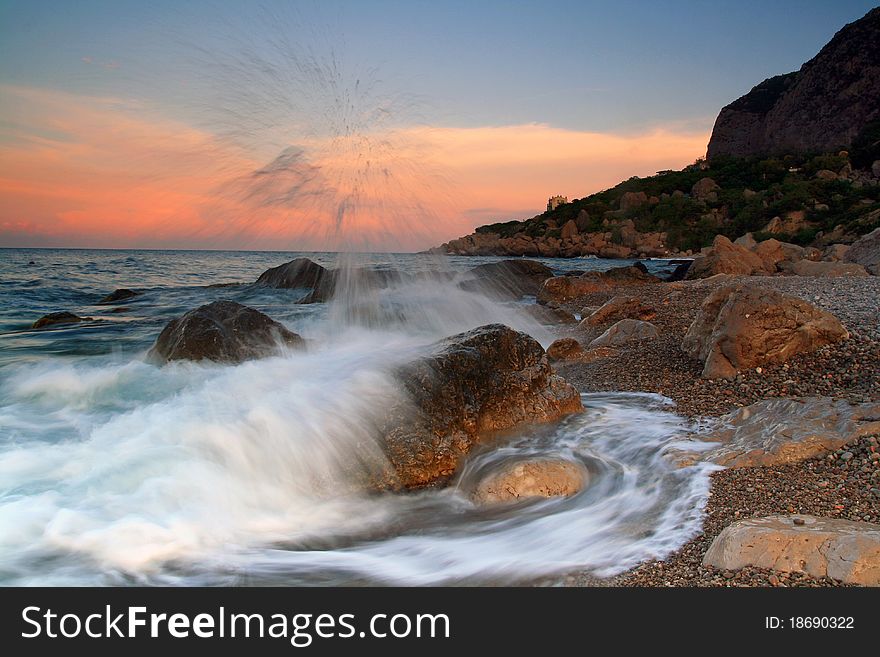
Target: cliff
<point x="823" y="107"/>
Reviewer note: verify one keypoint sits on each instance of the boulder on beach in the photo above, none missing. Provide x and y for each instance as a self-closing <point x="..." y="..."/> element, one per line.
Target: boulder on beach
<point x="564" y="349"/>
<point x="624" y="331"/>
<point x="471" y="386"/>
<point x="530" y="479"/>
<point x="53" y="319"/>
<point x="845" y="550"/>
<point x="508" y="279"/>
<point x="823" y="269"/>
<point x="549" y="316"/>
<point x="223" y="331"/>
<point x="725" y="257"/>
<point x="617" y="308"/>
<point x="777" y="431"/>
<point x="119" y="295"/>
<point x="866" y="252"/>
<point x="564" y="288"/>
<point x="741" y="327"/>
<point x="296" y="274"/>
<point x="746" y="241"/>
<point x="773" y="253"/>
<point x="835" y="252"/>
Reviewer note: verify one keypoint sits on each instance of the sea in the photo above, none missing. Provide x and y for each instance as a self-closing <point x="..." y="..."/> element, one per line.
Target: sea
<point x="116" y="471"/>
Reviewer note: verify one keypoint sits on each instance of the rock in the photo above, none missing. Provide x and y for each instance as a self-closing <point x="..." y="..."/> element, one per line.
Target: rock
<point x="626" y="330"/>
<point x="54" y="319"/>
<point x="749" y="194"/>
<point x="569" y="230"/>
<point x="119" y="295"/>
<point x="725" y="257"/>
<point x="583" y="221"/>
<point x="470" y="387"/>
<point x="866" y="252"/>
<point x="746" y="241"/>
<point x="300" y="273"/>
<point x="772" y="252"/>
<point x="824" y="269"/>
<point x="792" y="223"/>
<point x="617" y="308"/>
<point x="550" y="316"/>
<point x="777" y="431"/>
<point x="632" y="200"/>
<point x="509" y="278"/>
<point x="845" y="550"/>
<point x="825" y="174"/>
<point x="705" y="189"/>
<point x="681" y="270"/>
<point x="223" y="331"/>
<point x="816" y="109"/>
<point x="531" y="479"/>
<point x="565" y="349"/>
<point x="565" y="288"/>
<point x="742" y="327"/>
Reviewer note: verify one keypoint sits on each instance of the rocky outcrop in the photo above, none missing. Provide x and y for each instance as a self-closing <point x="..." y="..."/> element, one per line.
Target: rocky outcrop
<point x="119" y="295"/>
<point x="301" y="273"/>
<point x="536" y="478"/>
<point x="472" y="386"/>
<point x="844" y="550"/>
<point x="725" y="257"/>
<point x="624" y="331"/>
<point x="617" y="308"/>
<point x="777" y="431"/>
<point x="565" y="288"/>
<point x="820" y="108"/>
<point x="223" y="331"/>
<point x="866" y="252"/>
<point x="564" y="349"/>
<point x="508" y="279"/>
<point x="743" y="327"/>
<point x="55" y="319"/>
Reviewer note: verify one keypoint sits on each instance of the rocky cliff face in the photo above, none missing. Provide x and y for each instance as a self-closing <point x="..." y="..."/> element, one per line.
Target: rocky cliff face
<point x="822" y="107"/>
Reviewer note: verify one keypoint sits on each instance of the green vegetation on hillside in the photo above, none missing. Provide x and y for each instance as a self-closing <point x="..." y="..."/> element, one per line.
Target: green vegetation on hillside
<point x="776" y="186"/>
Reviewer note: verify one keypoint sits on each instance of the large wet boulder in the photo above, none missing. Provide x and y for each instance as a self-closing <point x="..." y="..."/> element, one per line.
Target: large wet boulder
<point x="472" y="386"/>
<point x="223" y="331"/>
<point x="121" y="294"/>
<point x="845" y="550"/>
<point x="508" y="279"/>
<point x="564" y="288"/>
<point x="617" y="308"/>
<point x="777" y="431"/>
<point x="301" y="273"/>
<point x="624" y="331"/>
<point x="55" y="319"/>
<point x="530" y="479"/>
<point x="740" y="327"/>
<point x="866" y="252"/>
<point x="725" y="257"/>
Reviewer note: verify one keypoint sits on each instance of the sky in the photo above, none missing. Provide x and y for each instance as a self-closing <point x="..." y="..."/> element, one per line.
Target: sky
<point x="358" y="125"/>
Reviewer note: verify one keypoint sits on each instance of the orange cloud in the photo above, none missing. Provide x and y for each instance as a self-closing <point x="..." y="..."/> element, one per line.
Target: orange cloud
<point x="89" y="171"/>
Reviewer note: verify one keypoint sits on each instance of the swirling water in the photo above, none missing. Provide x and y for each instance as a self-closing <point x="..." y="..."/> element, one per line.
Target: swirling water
<point x="114" y="471"/>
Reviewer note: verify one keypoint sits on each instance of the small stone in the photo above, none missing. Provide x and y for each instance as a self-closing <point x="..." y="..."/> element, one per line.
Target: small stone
<point x="846" y="456"/>
<point x="799" y="521"/>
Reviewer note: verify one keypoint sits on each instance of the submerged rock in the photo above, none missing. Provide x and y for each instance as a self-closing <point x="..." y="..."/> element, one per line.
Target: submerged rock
<point x="223" y="331"/>
<point x="53" y="319"/>
<point x="531" y="479"/>
<point x="509" y="278"/>
<point x="626" y="330"/>
<point x="776" y="431"/>
<point x="119" y="295"/>
<point x="741" y="327"/>
<point x="473" y="385"/>
<point x="844" y="550"/>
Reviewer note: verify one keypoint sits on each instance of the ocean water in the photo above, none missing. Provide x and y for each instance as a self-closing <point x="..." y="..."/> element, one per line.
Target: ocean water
<point x="115" y="471"/>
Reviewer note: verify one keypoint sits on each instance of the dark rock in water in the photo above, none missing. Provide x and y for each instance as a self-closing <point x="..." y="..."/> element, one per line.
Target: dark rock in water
<point x="680" y="271"/>
<point x="508" y="279"/>
<point x="473" y="385"/>
<point x="354" y="282"/>
<point x="820" y="108"/>
<point x="119" y="295"/>
<point x="299" y="273"/>
<point x="222" y="331"/>
<point x="52" y="319"/>
<point x="32" y="262"/>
